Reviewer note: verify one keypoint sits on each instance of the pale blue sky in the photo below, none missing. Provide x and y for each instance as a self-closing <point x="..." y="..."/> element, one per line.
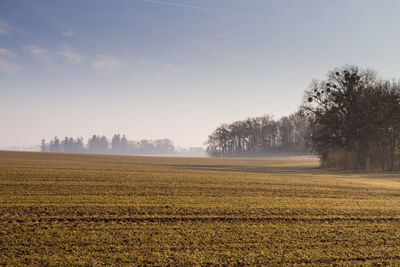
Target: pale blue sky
<point x="175" y="69"/>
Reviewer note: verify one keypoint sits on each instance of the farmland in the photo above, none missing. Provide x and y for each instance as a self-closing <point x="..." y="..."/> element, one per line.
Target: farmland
<point x="91" y="210"/>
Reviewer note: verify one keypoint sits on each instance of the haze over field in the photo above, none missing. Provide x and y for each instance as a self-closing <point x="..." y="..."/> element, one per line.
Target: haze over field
<point x="175" y="69"/>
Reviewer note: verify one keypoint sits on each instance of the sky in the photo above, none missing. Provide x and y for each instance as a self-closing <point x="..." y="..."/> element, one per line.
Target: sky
<point x="176" y="69"/>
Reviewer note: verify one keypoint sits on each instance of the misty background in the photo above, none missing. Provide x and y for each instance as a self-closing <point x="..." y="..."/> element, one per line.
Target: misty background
<point x="174" y="69"/>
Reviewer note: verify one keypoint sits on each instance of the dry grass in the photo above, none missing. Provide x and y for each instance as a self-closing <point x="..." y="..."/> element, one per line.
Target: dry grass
<point x="90" y="210"/>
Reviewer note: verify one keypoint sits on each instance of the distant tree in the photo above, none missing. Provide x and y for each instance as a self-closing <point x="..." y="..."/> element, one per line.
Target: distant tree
<point x="124" y="145"/>
<point x="70" y="145"/>
<point x="164" y="147"/>
<point x="98" y="144"/>
<point x="116" y="144"/>
<point x="54" y="145"/>
<point x="67" y="145"/>
<point x="43" y="146"/>
<point x="79" y="145"/>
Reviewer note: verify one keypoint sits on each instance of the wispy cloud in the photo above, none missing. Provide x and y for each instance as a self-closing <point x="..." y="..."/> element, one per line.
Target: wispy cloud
<point x="7" y="66"/>
<point x="70" y="55"/>
<point x="38" y="51"/>
<point x="106" y="62"/>
<point x="51" y="57"/>
<point x="42" y="54"/>
<point x="232" y="12"/>
<point x="172" y="69"/>
<point x="68" y="33"/>
<point x="5" y="52"/>
<point x="4" y="27"/>
<point x="157" y="70"/>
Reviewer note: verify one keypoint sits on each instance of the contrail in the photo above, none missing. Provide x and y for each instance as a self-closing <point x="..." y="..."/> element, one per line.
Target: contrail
<point x="200" y="7"/>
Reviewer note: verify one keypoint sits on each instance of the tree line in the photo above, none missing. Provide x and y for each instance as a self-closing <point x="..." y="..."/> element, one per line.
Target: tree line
<point x="101" y="145"/>
<point x="260" y="136"/>
<point x="351" y="120"/>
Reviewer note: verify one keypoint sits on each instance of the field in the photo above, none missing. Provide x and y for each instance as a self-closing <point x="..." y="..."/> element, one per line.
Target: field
<point x="92" y="210"/>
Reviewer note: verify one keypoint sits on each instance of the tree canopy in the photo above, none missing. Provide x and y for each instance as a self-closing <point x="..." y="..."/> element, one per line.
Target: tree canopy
<point x="354" y="120"/>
